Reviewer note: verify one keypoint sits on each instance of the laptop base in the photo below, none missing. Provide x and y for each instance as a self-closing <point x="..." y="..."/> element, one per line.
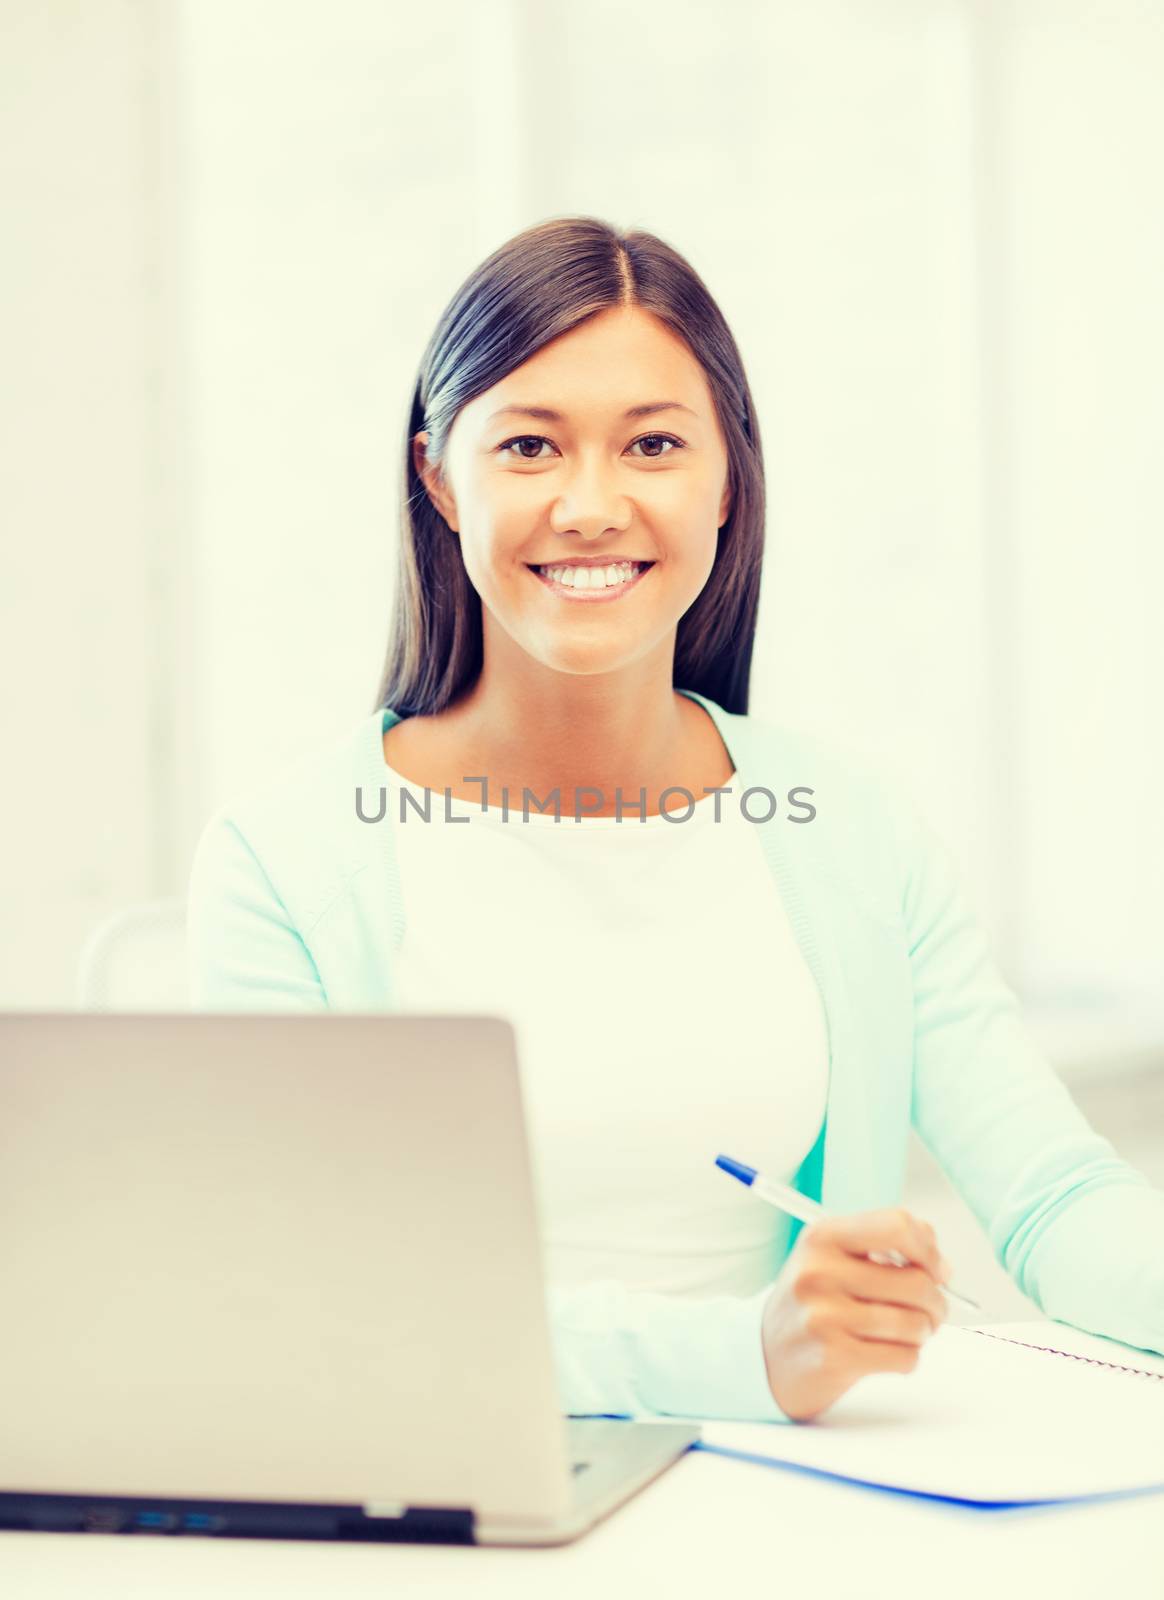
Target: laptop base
<point x="617" y="1461"/>
<point x="232" y="1519"/>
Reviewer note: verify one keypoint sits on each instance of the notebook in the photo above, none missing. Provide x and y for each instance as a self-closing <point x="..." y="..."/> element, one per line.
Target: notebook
<point x="1006" y="1415"/>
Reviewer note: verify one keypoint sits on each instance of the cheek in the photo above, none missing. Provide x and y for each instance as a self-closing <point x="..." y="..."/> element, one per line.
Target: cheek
<point x="686" y="518"/>
<point x="504" y="512"/>
<point x="491" y="550"/>
<point x="702" y="558"/>
<point x="688" y="502"/>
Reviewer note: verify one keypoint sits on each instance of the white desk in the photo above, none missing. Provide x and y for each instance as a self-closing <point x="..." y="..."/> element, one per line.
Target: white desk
<point x="710" y="1526"/>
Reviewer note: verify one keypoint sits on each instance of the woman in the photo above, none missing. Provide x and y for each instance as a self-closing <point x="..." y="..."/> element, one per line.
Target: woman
<point x="709" y="932"/>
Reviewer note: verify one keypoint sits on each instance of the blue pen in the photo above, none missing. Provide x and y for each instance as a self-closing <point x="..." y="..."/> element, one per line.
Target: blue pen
<point x="800" y="1205"/>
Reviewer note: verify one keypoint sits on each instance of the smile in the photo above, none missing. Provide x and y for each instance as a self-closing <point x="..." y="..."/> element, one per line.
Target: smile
<point x="592" y="583"/>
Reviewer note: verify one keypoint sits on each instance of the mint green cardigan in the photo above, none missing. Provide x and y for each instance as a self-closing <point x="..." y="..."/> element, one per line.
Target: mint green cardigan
<point x="295" y="905"/>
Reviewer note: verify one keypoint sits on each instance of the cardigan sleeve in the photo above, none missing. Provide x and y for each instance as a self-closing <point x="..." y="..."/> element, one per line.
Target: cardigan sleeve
<point x="616" y="1351"/>
<point x="244" y="952"/>
<point x="1080" y="1230"/>
<point x="633" y="1352"/>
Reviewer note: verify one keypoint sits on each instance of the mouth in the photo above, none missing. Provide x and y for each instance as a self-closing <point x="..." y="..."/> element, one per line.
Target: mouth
<point x="591" y="582"/>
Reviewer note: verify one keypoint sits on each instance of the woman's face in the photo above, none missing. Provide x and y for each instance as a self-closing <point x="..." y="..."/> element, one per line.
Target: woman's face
<point x="589" y="483"/>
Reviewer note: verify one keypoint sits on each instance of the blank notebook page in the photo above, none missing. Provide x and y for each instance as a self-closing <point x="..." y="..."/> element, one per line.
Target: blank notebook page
<point x="984" y="1418"/>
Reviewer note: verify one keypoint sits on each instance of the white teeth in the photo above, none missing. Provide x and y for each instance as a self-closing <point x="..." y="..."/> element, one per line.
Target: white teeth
<point x="592" y="577"/>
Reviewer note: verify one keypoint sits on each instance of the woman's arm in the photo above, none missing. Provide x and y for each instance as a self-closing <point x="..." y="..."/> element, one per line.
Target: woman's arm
<point x="616" y="1350"/>
<point x="1080" y="1230"/>
<point x="244" y="952"/>
<point x="628" y="1352"/>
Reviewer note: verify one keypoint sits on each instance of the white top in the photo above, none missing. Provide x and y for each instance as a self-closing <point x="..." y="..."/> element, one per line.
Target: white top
<point x="610" y="946"/>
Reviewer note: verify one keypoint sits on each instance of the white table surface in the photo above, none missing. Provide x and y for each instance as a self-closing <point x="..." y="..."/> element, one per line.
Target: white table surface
<point x="708" y="1526"/>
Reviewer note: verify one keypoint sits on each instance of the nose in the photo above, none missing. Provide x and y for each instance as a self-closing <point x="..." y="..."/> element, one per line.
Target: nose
<point x="590" y="504"/>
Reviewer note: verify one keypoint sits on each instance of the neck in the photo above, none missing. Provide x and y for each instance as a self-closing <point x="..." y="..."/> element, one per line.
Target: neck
<point x="618" y="733"/>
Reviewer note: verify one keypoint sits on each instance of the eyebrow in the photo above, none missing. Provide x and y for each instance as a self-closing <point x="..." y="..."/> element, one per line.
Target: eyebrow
<point x="545" y="414"/>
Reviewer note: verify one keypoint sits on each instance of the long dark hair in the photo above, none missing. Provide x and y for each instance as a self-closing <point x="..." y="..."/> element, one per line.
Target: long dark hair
<point x="537" y="286"/>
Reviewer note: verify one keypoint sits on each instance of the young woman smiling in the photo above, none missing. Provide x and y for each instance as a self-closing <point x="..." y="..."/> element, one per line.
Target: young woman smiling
<point x="688" y="971"/>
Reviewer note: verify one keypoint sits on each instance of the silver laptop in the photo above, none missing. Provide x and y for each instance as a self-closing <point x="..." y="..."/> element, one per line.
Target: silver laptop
<point x="281" y="1276"/>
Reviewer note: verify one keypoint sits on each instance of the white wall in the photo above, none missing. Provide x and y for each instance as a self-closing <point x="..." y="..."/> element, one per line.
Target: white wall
<point x="1081" y="259"/>
<point x="85" y="822"/>
<point x="326" y="196"/>
<point x="942" y="277"/>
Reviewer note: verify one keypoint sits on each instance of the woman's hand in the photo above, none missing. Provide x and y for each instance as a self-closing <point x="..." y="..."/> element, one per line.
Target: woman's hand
<point x="833" y="1315"/>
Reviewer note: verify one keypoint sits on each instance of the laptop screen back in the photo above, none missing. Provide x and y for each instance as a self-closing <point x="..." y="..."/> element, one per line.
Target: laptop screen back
<point x="273" y="1257"/>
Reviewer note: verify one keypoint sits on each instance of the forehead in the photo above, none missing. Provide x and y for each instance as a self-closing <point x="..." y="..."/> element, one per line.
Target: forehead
<point x="615" y="359"/>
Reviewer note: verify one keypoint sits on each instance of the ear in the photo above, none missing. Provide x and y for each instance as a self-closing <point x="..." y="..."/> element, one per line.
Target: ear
<point x="433" y="480"/>
<point x="725" y="504"/>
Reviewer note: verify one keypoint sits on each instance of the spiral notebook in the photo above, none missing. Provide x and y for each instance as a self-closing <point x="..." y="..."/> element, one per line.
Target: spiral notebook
<point x="1004" y="1415"/>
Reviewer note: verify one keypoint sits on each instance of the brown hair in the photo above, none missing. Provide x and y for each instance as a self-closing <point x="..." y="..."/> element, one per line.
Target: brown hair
<point x="537" y="286"/>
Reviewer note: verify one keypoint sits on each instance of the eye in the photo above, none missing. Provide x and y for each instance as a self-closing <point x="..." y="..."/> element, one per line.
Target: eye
<point x="539" y="439"/>
<point x="525" y="438"/>
<point x="660" y="438"/>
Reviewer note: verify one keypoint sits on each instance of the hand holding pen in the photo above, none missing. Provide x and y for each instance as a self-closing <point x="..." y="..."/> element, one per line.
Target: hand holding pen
<point x="858" y="1294"/>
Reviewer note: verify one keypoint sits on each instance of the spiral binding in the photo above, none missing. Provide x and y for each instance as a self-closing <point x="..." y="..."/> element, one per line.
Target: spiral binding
<point x="1092" y="1361"/>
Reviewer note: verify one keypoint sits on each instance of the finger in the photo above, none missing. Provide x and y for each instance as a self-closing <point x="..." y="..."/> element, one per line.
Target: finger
<point x="864" y="1356"/>
<point x="893" y="1229"/>
<point x="900" y="1286"/>
<point x="869" y="1319"/>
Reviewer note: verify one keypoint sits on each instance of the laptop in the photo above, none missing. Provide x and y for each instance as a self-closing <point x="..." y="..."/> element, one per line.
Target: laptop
<point x="281" y="1276"/>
